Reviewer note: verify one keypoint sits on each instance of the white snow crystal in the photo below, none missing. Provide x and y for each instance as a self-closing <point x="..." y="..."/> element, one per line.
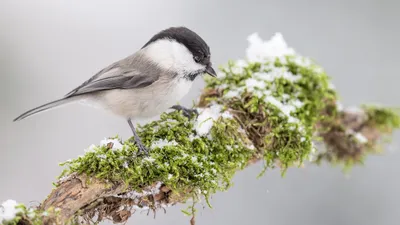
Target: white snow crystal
<point x="8" y="210"/>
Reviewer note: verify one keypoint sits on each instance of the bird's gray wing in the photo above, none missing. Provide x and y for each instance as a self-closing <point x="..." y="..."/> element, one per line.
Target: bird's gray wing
<point x="132" y="72"/>
<point x="93" y="78"/>
<point x="128" y="80"/>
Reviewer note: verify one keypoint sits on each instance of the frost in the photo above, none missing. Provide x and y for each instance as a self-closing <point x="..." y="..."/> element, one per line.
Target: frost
<point x="8" y="210"/>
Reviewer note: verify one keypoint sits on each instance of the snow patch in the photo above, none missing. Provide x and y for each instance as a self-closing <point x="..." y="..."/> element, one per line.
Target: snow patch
<point x="162" y="143"/>
<point x="259" y="50"/>
<point x="206" y="119"/>
<point x="8" y="210"/>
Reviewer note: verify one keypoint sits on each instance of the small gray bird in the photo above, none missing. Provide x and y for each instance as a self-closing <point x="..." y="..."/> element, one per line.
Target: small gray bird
<point x="146" y="83"/>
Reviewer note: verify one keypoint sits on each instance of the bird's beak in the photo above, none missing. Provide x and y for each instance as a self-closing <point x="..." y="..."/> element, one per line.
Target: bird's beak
<point x="210" y="71"/>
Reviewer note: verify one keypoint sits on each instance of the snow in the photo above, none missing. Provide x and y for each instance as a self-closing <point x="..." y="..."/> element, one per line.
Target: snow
<point x="259" y="50"/>
<point x="361" y="138"/>
<point x="239" y="66"/>
<point x="358" y="136"/>
<point x="116" y="144"/>
<point x="149" y="159"/>
<point x="8" y="210"/>
<point x="277" y="72"/>
<point x="354" y="110"/>
<point x="233" y="93"/>
<point x="252" y="83"/>
<point x="162" y="143"/>
<point x="286" y="109"/>
<point x="226" y="115"/>
<point x="206" y="119"/>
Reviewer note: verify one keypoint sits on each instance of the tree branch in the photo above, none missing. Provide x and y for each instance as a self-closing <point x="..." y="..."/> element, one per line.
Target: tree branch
<point x="272" y="109"/>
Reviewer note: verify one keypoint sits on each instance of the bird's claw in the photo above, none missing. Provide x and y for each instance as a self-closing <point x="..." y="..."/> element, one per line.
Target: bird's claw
<point x="141" y="148"/>
<point x="186" y="112"/>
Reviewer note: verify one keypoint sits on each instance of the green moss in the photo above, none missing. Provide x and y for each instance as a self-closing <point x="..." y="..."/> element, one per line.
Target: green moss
<point x="385" y="119"/>
<point x="277" y="105"/>
<point x="279" y="101"/>
<point x="197" y="163"/>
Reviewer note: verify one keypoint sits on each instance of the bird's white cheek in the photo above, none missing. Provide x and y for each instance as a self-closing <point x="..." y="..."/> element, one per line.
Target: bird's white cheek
<point x="171" y="55"/>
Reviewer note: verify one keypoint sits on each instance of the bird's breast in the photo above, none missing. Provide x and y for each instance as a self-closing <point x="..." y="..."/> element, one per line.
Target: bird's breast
<point x="146" y="102"/>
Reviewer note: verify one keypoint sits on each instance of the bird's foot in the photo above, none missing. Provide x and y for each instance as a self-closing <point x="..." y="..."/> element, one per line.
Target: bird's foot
<point x="141" y="148"/>
<point x="186" y="112"/>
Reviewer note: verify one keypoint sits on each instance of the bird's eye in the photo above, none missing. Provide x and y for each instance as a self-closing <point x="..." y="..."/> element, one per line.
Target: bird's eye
<point x="196" y="59"/>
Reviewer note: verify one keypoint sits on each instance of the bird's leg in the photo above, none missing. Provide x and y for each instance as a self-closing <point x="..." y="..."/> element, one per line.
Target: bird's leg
<point x="139" y="144"/>
<point x="186" y="112"/>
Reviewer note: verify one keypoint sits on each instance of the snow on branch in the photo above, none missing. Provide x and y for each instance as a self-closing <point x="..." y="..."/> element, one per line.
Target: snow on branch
<point x="273" y="107"/>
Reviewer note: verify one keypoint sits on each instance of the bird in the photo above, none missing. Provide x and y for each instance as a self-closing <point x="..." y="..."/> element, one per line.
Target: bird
<point x="146" y="83"/>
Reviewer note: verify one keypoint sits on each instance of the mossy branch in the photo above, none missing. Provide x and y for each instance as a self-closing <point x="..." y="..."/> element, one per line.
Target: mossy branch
<point x="274" y="110"/>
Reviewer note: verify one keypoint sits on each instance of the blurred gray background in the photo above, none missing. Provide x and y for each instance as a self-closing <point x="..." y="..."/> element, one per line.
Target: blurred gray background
<point x="48" y="47"/>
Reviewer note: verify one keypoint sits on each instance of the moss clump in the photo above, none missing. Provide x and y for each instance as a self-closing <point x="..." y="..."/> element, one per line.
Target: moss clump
<point x="179" y="157"/>
<point x="278" y="102"/>
<point x="384" y="119"/>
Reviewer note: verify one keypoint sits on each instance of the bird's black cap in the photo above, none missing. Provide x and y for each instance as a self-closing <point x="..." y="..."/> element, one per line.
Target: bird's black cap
<point x="196" y="45"/>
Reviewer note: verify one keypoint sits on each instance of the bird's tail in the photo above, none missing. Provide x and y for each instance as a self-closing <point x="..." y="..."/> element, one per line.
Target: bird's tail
<point x="45" y="107"/>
